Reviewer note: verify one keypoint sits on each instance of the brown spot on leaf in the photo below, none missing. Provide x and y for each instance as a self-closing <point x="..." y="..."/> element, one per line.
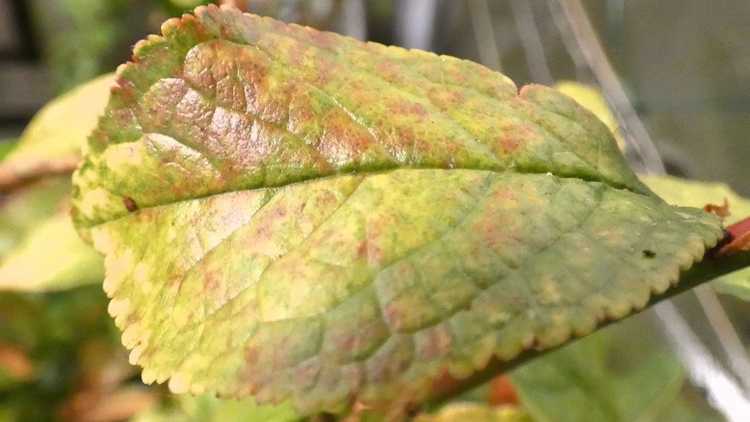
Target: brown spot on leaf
<point x="130" y="204"/>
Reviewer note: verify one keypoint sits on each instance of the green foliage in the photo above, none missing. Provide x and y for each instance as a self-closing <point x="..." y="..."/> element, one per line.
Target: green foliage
<point x="50" y="332"/>
<point x="698" y="194"/>
<point x="461" y="412"/>
<point x="620" y="374"/>
<point x="302" y="217"/>
<point x="208" y="409"/>
<point x="39" y="249"/>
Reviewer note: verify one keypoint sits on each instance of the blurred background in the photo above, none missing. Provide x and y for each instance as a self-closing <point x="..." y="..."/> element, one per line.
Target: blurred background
<point x="675" y="72"/>
<point x="685" y="64"/>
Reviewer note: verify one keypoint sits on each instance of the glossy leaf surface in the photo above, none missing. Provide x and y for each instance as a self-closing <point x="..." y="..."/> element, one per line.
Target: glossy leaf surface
<point x="297" y="215"/>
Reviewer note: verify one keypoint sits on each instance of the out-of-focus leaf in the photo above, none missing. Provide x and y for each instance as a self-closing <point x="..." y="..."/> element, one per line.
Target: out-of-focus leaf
<point x="51" y="144"/>
<point x="6" y="146"/>
<point x="464" y="412"/>
<point x="39" y="249"/>
<point x="303" y="217"/>
<point x="26" y="208"/>
<point x="690" y="193"/>
<point x="51" y="330"/>
<point x="593" y="100"/>
<point x="209" y="409"/>
<point x="51" y="256"/>
<point x="620" y="374"/>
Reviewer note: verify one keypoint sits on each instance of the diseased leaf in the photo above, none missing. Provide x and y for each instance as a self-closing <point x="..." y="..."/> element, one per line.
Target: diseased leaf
<point x="608" y="376"/>
<point x="299" y="216"/>
<point x="52" y="142"/>
<point x="698" y="194"/>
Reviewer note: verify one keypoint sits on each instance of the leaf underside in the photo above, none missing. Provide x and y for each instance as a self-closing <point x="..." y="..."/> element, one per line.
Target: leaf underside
<point x="296" y="215"/>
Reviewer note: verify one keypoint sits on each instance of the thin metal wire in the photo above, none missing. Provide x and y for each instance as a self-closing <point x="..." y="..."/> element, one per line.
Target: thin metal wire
<point x="484" y="33"/>
<point x="722" y="390"/>
<point x="586" y="43"/>
<point x="536" y="60"/>
<point x="704" y="370"/>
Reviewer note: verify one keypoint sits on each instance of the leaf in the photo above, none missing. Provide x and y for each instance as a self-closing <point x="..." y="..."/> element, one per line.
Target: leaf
<point x="593" y="100"/>
<point x="51" y="143"/>
<point x="209" y="409"/>
<point x="22" y="210"/>
<point x="620" y="374"/>
<point x="51" y="257"/>
<point x="697" y="194"/>
<point x="39" y="248"/>
<point x="461" y="412"/>
<point x="6" y="146"/>
<point x="303" y="217"/>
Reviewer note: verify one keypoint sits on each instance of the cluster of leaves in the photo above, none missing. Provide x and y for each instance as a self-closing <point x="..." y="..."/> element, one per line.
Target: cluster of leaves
<point x="270" y="229"/>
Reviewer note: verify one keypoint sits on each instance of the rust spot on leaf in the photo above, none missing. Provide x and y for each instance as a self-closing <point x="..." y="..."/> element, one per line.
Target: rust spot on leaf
<point x="130" y="204"/>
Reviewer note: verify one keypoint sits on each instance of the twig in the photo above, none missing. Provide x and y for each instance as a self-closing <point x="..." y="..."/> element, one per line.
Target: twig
<point x="16" y="175"/>
<point x="636" y="135"/>
<point x="639" y="139"/>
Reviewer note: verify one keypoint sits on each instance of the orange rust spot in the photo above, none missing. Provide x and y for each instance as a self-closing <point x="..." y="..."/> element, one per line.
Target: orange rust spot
<point x="407" y="108"/>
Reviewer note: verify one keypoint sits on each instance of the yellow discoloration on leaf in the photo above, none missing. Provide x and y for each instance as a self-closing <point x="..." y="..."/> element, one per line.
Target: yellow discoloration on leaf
<point x="299" y="216"/>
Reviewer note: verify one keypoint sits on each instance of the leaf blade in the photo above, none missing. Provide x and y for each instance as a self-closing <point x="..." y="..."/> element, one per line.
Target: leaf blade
<point x="330" y="221"/>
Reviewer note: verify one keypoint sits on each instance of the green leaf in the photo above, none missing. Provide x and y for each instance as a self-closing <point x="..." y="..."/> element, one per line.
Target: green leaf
<point x="697" y="194"/>
<point x="6" y="146"/>
<point x="22" y="210"/>
<point x="39" y="248"/>
<point x="593" y="100"/>
<point x="51" y="256"/>
<point x="462" y="412"/>
<point x="620" y="374"/>
<point x="51" y="144"/>
<point x="209" y="409"/>
<point x="303" y="217"/>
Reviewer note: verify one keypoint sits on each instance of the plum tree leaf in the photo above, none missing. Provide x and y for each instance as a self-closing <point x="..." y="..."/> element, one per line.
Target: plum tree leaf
<point x="691" y="193"/>
<point x="50" y="257"/>
<point x="51" y="143"/>
<point x="300" y="216"/>
<point x="39" y="248"/>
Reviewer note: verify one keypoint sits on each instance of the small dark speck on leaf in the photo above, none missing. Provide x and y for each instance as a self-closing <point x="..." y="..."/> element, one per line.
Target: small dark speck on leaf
<point x="648" y="253"/>
<point x="130" y="204"/>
